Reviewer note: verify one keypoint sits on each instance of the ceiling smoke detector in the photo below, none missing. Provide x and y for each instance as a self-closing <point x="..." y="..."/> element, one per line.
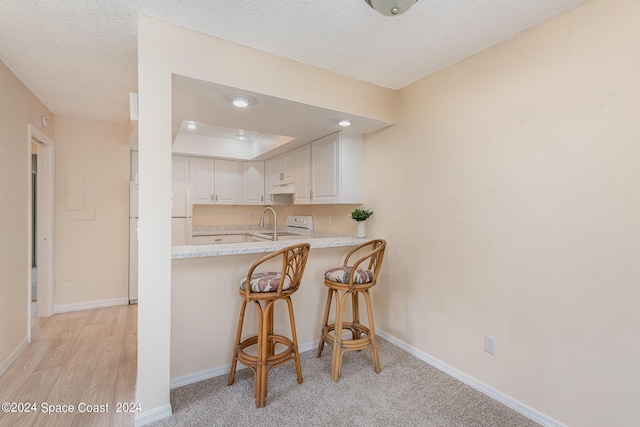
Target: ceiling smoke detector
<point x="391" y="7"/>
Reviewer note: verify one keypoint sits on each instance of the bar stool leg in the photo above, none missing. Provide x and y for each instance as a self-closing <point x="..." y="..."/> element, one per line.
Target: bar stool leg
<point x="261" y="363"/>
<point x="294" y="340"/>
<point x="355" y="310"/>
<point x="234" y="360"/>
<point x="372" y="332"/>
<point x="325" y="322"/>
<point x="336" y="360"/>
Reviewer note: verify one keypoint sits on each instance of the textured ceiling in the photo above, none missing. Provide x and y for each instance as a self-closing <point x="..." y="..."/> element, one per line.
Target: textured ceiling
<point x="79" y="57"/>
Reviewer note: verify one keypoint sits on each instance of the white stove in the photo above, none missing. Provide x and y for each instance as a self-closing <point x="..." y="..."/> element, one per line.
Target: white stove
<point x="297" y="226"/>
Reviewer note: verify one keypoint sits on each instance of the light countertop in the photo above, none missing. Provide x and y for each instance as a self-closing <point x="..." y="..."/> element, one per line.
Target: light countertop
<point x="317" y="240"/>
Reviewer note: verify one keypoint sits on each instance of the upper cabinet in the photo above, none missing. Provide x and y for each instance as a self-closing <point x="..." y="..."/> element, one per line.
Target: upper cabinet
<point x="214" y="181"/>
<point x="227" y="181"/>
<point x="180" y="169"/>
<point x="253" y="183"/>
<point x="279" y="179"/>
<point x="326" y="171"/>
<point x="337" y="167"/>
<point x="201" y="171"/>
<point x="280" y="169"/>
<point x="302" y="175"/>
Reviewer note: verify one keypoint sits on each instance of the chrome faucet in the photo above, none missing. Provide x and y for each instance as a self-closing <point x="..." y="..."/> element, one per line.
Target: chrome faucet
<point x="275" y="221"/>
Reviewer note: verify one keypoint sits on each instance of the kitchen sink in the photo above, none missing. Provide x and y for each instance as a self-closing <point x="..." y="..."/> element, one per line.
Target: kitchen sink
<point x="291" y="236"/>
<point x="284" y="235"/>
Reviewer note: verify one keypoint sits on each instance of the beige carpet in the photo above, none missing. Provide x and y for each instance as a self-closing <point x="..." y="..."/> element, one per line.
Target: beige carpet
<point x="408" y="392"/>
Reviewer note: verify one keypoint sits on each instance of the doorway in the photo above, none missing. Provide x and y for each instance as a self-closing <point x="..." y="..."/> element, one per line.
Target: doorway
<point x="34" y="222"/>
<point x="40" y="211"/>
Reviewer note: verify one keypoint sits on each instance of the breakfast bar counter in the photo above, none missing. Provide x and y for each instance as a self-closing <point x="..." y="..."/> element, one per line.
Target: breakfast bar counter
<point x="205" y="303"/>
<point x="317" y="241"/>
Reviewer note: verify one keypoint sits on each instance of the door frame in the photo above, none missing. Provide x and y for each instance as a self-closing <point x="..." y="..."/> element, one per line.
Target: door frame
<point x="44" y="221"/>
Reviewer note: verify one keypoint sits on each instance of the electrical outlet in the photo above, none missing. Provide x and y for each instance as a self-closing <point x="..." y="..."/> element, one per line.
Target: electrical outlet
<point x="490" y="344"/>
<point x="329" y="220"/>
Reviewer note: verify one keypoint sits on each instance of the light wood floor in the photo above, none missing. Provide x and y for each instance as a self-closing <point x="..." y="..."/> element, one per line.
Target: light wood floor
<point x="81" y="357"/>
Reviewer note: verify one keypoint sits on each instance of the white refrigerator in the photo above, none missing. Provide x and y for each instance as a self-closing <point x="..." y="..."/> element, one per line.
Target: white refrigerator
<point x="181" y="224"/>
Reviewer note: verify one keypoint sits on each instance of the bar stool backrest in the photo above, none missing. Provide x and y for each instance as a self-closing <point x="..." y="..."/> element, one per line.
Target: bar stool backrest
<point x="374" y="257"/>
<point x="294" y="260"/>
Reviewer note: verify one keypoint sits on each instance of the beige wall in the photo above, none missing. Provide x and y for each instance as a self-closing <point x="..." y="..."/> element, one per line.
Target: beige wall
<point x="92" y="243"/>
<point x="510" y="199"/>
<point x="18" y="107"/>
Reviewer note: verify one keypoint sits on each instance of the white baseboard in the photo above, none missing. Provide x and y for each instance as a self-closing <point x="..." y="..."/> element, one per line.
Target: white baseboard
<point x="222" y="370"/>
<point x="507" y="401"/>
<point x="148" y="417"/>
<point x="14" y="355"/>
<point x="88" y="305"/>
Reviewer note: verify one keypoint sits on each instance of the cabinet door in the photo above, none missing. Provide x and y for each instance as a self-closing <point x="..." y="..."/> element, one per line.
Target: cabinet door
<point x="253" y="183"/>
<point x="180" y="169"/>
<point x="324" y="170"/>
<point x="226" y="182"/>
<point x="302" y="175"/>
<point x="288" y="167"/>
<point x="271" y="171"/>
<point x="201" y="171"/>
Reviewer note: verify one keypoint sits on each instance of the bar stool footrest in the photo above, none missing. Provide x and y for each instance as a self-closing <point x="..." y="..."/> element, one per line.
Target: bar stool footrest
<point x="283" y="356"/>
<point x="328" y="335"/>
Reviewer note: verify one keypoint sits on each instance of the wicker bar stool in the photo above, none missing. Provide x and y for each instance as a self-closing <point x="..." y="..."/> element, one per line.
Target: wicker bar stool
<point x="350" y="281"/>
<point x="263" y="290"/>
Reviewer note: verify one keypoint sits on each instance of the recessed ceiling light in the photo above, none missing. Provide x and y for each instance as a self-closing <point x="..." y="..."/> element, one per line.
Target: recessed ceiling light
<point x="192" y="126"/>
<point x="344" y="122"/>
<point x="240" y="102"/>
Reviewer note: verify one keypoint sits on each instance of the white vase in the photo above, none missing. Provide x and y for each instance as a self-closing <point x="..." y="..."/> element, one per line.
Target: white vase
<point x="362" y="232"/>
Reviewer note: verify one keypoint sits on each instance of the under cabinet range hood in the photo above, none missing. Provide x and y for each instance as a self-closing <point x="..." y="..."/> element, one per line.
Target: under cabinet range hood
<point x="282" y="189"/>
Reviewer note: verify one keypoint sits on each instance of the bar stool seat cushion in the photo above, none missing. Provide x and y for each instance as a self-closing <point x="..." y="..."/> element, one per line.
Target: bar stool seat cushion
<point x="341" y="275"/>
<point x="266" y="282"/>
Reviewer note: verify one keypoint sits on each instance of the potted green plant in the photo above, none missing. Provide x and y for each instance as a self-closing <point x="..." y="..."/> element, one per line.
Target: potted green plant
<point x="360" y="215"/>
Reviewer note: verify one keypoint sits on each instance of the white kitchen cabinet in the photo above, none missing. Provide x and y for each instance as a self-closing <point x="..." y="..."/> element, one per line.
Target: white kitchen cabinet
<point x="337" y="167"/>
<point x="276" y="177"/>
<point x="302" y="175"/>
<point x="202" y="175"/>
<point x="288" y="167"/>
<point x="282" y="168"/>
<point x="226" y="182"/>
<point x="214" y="181"/>
<point x="253" y="183"/>
<point x="180" y="169"/>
